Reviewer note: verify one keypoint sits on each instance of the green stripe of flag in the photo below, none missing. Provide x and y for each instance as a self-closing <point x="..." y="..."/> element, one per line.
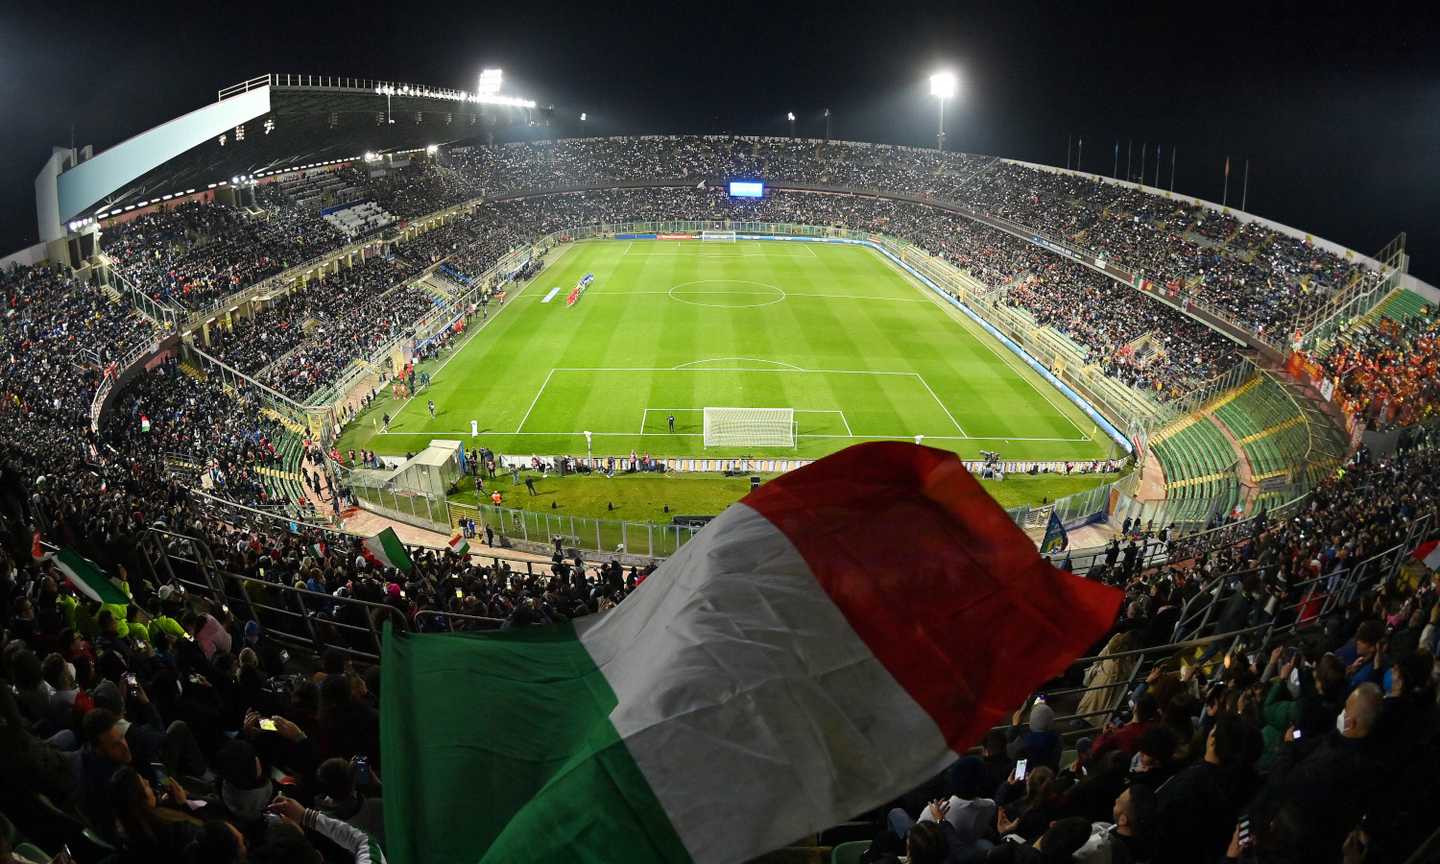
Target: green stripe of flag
<point x="519" y="764"/>
<point x="386" y="550"/>
<point x="88" y="578"/>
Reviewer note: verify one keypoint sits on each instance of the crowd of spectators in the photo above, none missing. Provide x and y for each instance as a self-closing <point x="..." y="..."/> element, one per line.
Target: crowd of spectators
<point x="301" y="341"/>
<point x="196" y="254"/>
<point x="178" y="727"/>
<point x="1388" y="372"/>
<point x="1290" y="736"/>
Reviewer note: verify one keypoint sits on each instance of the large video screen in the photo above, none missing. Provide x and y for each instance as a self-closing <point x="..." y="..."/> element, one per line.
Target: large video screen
<point x="747" y="189"/>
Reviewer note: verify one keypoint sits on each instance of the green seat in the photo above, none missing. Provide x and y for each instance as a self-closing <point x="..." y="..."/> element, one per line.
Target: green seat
<point x="31" y="852"/>
<point x="849" y="853"/>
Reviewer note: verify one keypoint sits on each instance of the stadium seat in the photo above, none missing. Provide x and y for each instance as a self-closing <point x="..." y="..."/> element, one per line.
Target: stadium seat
<point x="849" y="853"/>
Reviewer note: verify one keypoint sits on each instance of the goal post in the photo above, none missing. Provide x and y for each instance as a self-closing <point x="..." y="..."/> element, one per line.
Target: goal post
<point x="718" y="236"/>
<point x="749" y="427"/>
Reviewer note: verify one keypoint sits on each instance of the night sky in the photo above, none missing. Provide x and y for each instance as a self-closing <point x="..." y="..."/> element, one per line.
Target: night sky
<point x="1336" y="105"/>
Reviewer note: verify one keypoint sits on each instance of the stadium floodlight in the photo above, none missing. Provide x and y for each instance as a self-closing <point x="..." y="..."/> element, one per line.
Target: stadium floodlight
<point x="490" y="82"/>
<point x="582" y="117"/>
<point x="432" y="149"/>
<point x="943" y="85"/>
<point x="790" y="115"/>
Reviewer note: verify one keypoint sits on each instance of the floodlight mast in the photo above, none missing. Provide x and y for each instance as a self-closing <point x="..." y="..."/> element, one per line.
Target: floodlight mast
<point x="943" y="85"/>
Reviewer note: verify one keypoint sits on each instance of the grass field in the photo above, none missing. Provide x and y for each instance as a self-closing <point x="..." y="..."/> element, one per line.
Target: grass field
<point x="644" y="497"/>
<point x="669" y="327"/>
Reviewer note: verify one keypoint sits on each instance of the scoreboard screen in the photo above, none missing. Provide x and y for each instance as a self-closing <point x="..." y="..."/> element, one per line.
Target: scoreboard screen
<point x="747" y="189"/>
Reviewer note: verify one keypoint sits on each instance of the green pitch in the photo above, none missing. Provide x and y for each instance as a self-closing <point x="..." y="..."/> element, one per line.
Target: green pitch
<point x="837" y="333"/>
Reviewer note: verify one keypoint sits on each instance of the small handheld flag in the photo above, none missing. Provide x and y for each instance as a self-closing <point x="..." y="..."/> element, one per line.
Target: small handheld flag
<point x="1056" y="538"/>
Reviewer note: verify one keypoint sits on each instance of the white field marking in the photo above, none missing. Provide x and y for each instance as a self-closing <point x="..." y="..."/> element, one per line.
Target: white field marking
<point x="905" y="437"/>
<point x="727" y="359"/>
<point x="644" y="415"/>
<point x="862" y="297"/>
<point x="680" y="296"/>
<point x="550" y="296"/>
<point x="984" y="338"/>
<point x="915" y="375"/>
<point x="543" y="385"/>
<point x="788" y="294"/>
<point x="941" y="404"/>
<point x="471" y="334"/>
<point x="704" y="369"/>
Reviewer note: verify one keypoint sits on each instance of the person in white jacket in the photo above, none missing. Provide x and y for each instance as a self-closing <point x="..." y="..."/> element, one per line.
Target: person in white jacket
<point x="343" y="834"/>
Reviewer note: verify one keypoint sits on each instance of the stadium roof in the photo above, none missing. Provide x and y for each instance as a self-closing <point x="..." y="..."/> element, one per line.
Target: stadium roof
<point x="307" y="120"/>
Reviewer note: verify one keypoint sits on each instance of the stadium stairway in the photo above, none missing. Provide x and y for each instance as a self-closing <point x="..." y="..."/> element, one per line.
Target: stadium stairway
<point x="192" y="371"/>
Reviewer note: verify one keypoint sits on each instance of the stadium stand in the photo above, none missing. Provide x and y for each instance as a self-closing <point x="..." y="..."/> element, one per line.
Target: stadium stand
<point x="194" y="492"/>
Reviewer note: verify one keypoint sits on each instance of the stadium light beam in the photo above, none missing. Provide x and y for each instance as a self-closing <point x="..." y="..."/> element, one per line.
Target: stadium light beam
<point x="943" y="85"/>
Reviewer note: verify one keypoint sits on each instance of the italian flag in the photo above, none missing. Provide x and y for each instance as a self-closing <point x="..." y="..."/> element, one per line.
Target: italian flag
<point x="144" y="423"/>
<point x="319" y="549"/>
<point x="830" y="642"/>
<point x="386" y="550"/>
<point x="88" y="579"/>
<point x="1428" y="554"/>
<point x="458" y="544"/>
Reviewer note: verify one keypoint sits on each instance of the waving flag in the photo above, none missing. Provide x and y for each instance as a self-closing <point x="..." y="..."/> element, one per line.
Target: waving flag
<point x="88" y="578"/>
<point x="1056" y="538"/>
<point x="386" y="550"/>
<point x="1428" y="554"/>
<point x="458" y="544"/>
<point x="821" y="647"/>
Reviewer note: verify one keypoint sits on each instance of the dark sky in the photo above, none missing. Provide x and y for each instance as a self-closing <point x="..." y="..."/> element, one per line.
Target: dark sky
<point x="1336" y="105"/>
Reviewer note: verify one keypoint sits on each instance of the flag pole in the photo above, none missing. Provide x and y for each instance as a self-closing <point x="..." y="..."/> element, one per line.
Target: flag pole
<point x="1172" y="169"/>
<point x="1069" y="141"/>
<point x="1225" y="199"/>
<point x="1157" y="166"/>
<point x="1115" y="172"/>
<point x="1245" y="189"/>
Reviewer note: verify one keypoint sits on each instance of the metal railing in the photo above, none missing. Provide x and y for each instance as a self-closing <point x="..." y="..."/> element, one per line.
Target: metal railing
<point x="317" y="621"/>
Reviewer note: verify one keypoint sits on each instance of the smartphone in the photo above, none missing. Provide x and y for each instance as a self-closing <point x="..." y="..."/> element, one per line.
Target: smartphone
<point x="1020" y="770"/>
<point x="268" y="725"/>
<point x="160" y="776"/>
<point x="1295" y="736"/>
<point x="362" y="770"/>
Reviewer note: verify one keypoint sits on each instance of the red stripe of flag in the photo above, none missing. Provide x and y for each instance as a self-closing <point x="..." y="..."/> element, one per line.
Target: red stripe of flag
<point x="978" y="620"/>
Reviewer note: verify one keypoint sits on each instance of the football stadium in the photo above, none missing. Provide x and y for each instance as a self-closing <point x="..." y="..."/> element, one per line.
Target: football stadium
<point x="399" y="472"/>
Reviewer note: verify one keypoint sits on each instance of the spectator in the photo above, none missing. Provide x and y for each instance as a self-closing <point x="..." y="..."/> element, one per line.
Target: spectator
<point x="145" y="828"/>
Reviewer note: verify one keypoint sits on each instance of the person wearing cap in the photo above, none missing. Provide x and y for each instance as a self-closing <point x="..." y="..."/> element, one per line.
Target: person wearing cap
<point x="245" y="786"/>
<point x="1036" y="741"/>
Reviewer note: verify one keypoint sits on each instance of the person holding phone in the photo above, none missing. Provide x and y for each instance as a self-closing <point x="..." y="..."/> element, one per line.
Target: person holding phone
<point x="149" y="826"/>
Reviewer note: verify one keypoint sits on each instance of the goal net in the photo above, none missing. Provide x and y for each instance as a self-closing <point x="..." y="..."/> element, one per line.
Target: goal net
<point x="722" y="236"/>
<point x="749" y="427"/>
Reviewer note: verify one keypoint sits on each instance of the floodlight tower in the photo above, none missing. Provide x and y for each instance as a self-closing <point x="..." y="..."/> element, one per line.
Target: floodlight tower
<point x="942" y="86"/>
<point x="790" y="115"/>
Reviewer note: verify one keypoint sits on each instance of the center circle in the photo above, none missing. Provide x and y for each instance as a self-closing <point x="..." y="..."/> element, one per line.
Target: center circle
<point x="707" y="292"/>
